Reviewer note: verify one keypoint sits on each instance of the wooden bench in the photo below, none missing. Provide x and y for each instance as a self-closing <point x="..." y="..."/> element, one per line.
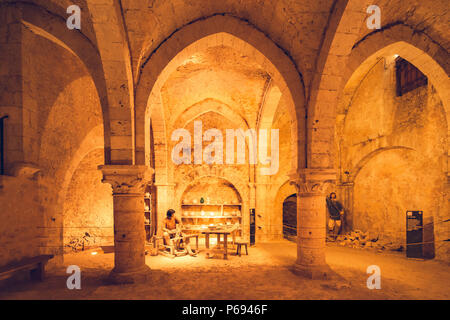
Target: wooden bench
<point x="36" y="265"/>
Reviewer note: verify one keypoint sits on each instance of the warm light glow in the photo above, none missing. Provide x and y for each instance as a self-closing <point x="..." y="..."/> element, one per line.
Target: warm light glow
<point x="94" y="253"/>
<point x="395" y="55"/>
<point x="193" y="59"/>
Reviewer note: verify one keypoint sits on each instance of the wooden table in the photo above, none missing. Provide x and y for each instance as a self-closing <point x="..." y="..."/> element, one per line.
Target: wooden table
<point x="226" y="232"/>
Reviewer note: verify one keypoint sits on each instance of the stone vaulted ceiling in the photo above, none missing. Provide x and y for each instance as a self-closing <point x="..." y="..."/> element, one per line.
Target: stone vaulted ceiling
<point x="297" y="26"/>
<point x="218" y="73"/>
<point x="430" y="17"/>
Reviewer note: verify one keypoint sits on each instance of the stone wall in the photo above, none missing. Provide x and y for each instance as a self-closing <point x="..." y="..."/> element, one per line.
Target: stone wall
<point x="88" y="207"/>
<point x="393" y="150"/>
<point x="19" y="203"/>
<point x="215" y="181"/>
<point x="52" y="112"/>
<point x="272" y="226"/>
<point x="20" y="219"/>
<point x="64" y="109"/>
<point x="212" y="189"/>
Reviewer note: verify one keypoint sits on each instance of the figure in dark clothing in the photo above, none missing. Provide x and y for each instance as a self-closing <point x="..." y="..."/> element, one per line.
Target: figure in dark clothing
<point x="336" y="212"/>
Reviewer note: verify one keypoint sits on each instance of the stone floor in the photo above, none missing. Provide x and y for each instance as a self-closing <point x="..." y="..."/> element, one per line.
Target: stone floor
<point x="264" y="274"/>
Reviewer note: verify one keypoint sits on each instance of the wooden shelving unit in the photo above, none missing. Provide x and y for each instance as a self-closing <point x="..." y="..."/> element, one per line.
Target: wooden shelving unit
<point x="148" y="216"/>
<point x="196" y="217"/>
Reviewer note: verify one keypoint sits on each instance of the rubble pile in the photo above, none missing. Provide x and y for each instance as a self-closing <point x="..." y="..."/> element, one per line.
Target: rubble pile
<point x="79" y="244"/>
<point x="364" y="240"/>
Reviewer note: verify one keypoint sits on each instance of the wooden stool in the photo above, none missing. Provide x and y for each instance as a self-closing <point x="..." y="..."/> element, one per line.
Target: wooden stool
<point x="239" y="244"/>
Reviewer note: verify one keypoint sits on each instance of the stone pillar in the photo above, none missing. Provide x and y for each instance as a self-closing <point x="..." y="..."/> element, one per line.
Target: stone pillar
<point x="262" y="219"/>
<point x="128" y="183"/>
<point x="311" y="222"/>
<point x="252" y="194"/>
<point x="246" y="210"/>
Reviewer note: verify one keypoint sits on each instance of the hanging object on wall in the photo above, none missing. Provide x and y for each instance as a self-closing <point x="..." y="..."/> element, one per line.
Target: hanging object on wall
<point x="202" y="200"/>
<point x="252" y="227"/>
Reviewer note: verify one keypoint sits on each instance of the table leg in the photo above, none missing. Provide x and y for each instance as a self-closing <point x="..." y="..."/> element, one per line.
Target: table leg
<point x="225" y="243"/>
<point x="234" y="238"/>
<point x="218" y="240"/>
<point x="207" y="245"/>
<point x="196" y="243"/>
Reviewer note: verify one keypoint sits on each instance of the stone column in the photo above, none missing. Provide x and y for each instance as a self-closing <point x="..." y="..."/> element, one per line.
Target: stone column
<point x="263" y="227"/>
<point x="128" y="183"/>
<point x="246" y="210"/>
<point x="311" y="222"/>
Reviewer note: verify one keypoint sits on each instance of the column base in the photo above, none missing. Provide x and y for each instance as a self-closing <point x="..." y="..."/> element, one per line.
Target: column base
<point x="129" y="277"/>
<point x="322" y="272"/>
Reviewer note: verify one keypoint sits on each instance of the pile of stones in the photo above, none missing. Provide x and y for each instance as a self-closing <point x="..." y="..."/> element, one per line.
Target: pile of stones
<point x="79" y="244"/>
<point x="364" y="240"/>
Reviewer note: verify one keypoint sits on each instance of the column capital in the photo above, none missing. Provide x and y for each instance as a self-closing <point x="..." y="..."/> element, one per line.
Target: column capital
<point x="127" y="179"/>
<point x="312" y="181"/>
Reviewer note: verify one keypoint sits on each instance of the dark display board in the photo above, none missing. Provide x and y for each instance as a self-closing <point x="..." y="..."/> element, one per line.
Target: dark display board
<point x="414" y="234"/>
<point x="252" y="227"/>
<point x="2" y="151"/>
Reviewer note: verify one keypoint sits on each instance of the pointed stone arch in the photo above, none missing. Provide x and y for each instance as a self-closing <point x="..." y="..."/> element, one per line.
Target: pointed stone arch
<point x="195" y="110"/>
<point x="213" y="31"/>
<point x="346" y="61"/>
<point x="52" y="27"/>
<point x="282" y="191"/>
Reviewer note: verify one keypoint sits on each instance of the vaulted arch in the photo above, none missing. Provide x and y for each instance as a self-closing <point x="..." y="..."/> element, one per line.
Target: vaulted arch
<point x="212" y="31"/>
<point x="52" y="27"/>
<point x="346" y="61"/>
<point x="197" y="109"/>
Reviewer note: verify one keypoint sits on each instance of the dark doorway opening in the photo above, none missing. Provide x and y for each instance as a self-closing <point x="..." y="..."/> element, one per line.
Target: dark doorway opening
<point x="290" y="218"/>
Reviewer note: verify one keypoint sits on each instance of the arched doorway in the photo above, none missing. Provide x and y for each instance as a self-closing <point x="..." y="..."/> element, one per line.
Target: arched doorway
<point x="285" y="212"/>
<point x="267" y="69"/>
<point x="211" y="201"/>
<point x="290" y="217"/>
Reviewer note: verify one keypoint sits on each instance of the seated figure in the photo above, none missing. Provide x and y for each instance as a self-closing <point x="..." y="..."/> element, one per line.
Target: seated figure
<point x="173" y="236"/>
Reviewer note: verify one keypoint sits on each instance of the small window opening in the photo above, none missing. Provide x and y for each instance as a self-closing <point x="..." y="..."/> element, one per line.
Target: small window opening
<point x="408" y="77"/>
